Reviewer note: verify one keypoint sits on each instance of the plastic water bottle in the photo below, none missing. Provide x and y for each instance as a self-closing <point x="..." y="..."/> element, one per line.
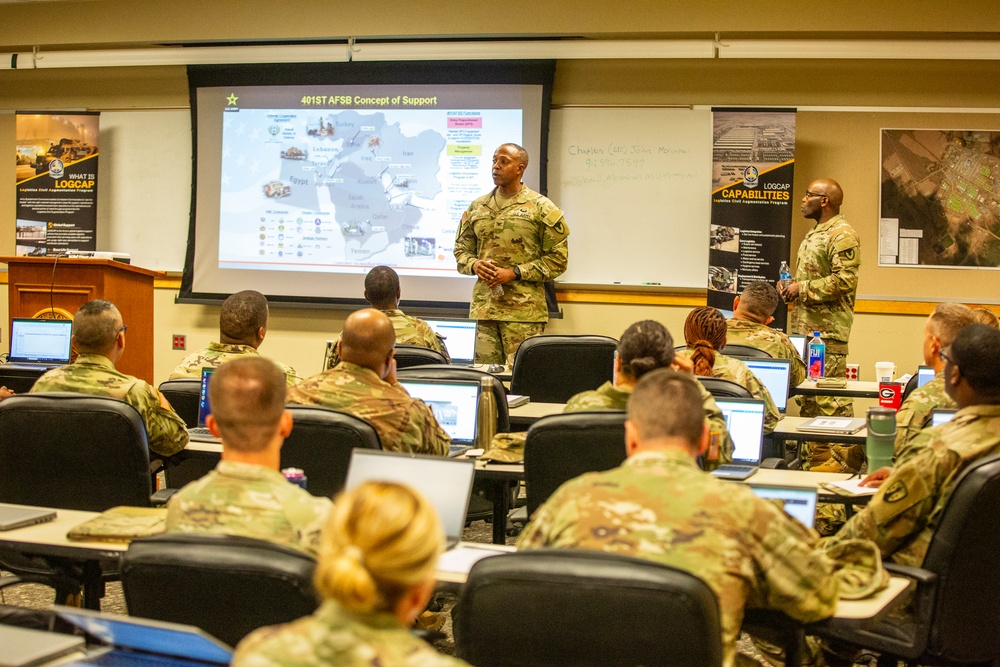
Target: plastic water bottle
<point x="817" y="356"/>
<point x="497" y="291"/>
<point x="785" y="274"/>
<point x="881" y="437"/>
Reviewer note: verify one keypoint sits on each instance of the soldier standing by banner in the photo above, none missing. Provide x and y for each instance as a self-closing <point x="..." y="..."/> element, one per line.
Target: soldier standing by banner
<point x="514" y="239"/>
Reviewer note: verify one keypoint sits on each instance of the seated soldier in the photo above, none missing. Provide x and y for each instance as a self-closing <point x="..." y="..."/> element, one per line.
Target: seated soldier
<point x="364" y="384"/>
<point x="242" y="328"/>
<point x="382" y="291"/>
<point x="658" y="505"/>
<point x="99" y="336"/>
<point x="246" y="494"/>
<point x="753" y="310"/>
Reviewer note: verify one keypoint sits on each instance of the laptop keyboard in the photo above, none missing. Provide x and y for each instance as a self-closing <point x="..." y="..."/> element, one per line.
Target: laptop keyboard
<point x="201" y="431"/>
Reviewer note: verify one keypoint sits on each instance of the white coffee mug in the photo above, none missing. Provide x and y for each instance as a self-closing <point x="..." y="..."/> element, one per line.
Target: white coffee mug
<point x="884" y="371"/>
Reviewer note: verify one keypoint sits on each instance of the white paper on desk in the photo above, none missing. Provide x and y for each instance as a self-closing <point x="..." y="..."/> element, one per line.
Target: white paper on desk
<point x="461" y="559"/>
<point x="852" y="487"/>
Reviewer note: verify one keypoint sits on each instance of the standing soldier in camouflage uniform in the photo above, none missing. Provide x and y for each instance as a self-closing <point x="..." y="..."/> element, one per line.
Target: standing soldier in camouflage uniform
<point x="823" y="292"/>
<point x="242" y="327"/>
<point x="364" y="384"/>
<point x="515" y="240"/>
<point x="752" y="312"/>
<point x="382" y="292"/>
<point x="246" y="494"/>
<point x="99" y="336"/>
<point x="658" y="505"/>
<point x="905" y="512"/>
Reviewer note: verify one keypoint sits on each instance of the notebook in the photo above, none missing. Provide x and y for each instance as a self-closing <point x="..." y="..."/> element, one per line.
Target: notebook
<point x="745" y="423"/>
<point x="798" y="502"/>
<point x="834" y="425"/>
<point x="924" y="375"/>
<point x="200" y="433"/>
<point x="23" y="647"/>
<point x="445" y="482"/>
<point x="455" y="404"/>
<point x="133" y="640"/>
<point x="460" y="338"/>
<point x="800" y="343"/>
<point x="941" y="416"/>
<point x="775" y="375"/>
<point x="41" y="344"/>
<point x="19" y="516"/>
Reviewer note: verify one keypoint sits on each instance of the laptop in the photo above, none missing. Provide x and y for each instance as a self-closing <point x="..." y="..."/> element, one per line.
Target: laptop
<point x="745" y="423"/>
<point x="40" y="344"/>
<point x="833" y="425"/>
<point x="775" y="374"/>
<point x="200" y="433"/>
<point x="798" y="502"/>
<point x="19" y="516"/>
<point x="800" y="341"/>
<point x="24" y="647"/>
<point x="941" y="416"/>
<point x="460" y="338"/>
<point x="455" y="404"/>
<point x="924" y="375"/>
<point x="139" y="641"/>
<point x="446" y="483"/>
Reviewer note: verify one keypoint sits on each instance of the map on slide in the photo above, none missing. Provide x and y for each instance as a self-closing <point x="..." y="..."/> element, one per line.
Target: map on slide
<point x="940" y="201"/>
<point x="310" y="190"/>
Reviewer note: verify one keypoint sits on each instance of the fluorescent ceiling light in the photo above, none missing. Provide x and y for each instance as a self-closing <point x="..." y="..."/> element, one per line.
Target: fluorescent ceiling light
<point x="195" y="55"/>
<point x="856" y="48"/>
<point x="556" y="49"/>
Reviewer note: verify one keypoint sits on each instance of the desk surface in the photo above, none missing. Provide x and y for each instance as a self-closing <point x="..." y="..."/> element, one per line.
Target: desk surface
<point x="532" y="410"/>
<point x="50" y="538"/>
<point x="787" y="429"/>
<point x="854" y="389"/>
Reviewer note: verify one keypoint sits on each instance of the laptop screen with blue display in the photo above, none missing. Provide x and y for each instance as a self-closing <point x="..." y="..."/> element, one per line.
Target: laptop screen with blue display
<point x="459" y="337"/>
<point x="745" y="423"/>
<point x="774" y="374"/>
<point x="455" y="404"/>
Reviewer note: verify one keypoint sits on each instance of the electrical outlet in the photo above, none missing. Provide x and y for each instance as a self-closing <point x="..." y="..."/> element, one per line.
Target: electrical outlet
<point x="180" y="342"/>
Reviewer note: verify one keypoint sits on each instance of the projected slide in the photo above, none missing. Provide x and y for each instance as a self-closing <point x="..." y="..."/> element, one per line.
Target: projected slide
<point x="324" y="190"/>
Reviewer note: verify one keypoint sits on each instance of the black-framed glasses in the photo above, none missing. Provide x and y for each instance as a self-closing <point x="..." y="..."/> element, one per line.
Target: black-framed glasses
<point x="947" y="358"/>
<point x="124" y="328"/>
<point x="814" y="194"/>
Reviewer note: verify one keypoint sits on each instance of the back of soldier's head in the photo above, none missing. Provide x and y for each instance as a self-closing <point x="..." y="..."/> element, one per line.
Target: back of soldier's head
<point x="367" y="339"/>
<point x="247" y="396"/>
<point x="667" y="404"/>
<point x="96" y="326"/>
<point x="382" y="287"/>
<point x="948" y="319"/>
<point x="759" y="299"/>
<point x="976" y="352"/>
<point x="644" y="347"/>
<point x="986" y="316"/>
<point x="242" y="316"/>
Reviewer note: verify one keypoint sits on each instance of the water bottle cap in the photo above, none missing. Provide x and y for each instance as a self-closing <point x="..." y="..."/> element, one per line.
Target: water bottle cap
<point x="815" y="334"/>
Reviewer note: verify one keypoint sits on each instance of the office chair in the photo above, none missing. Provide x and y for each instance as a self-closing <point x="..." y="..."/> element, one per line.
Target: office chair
<point x="911" y="384"/>
<point x="321" y="443"/>
<point x="561" y="447"/>
<point x="576" y="607"/>
<point x="720" y="388"/>
<point x="438" y="372"/>
<point x="956" y="615"/>
<point x="745" y="352"/>
<point x="184" y="396"/>
<point x="226" y="585"/>
<point x="552" y="369"/>
<point x="414" y="355"/>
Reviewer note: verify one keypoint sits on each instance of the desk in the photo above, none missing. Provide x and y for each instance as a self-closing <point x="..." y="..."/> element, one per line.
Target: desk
<point x="787" y="429"/>
<point x="854" y="389"/>
<point x="498" y="480"/>
<point x="521" y="418"/>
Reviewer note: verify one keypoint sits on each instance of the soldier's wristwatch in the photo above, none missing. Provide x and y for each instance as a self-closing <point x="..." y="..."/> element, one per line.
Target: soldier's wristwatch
<point x="517" y="273"/>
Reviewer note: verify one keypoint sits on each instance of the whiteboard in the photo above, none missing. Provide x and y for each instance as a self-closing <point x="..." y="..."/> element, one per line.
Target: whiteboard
<point x="144" y="187"/>
<point x="635" y="186"/>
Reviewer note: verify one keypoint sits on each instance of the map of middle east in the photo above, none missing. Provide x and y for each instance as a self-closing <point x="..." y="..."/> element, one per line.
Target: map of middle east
<point x="309" y="190"/>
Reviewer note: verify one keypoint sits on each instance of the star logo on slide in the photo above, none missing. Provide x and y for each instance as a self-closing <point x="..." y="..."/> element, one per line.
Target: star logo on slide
<point x="231" y="100"/>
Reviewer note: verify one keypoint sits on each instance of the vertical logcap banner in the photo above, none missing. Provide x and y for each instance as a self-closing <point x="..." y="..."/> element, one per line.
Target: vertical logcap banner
<point x="753" y="155"/>
<point x="56" y="182"/>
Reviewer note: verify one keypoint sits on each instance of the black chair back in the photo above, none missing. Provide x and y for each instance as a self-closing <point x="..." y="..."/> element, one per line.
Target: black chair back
<point x="438" y="372"/>
<point x="228" y="586"/>
<point x="73" y="451"/>
<point x="414" y="355"/>
<point x="561" y="447"/>
<point x="745" y="352"/>
<point x="608" y="610"/>
<point x="911" y="384"/>
<point x="552" y="369"/>
<point x="184" y="396"/>
<point x="321" y="443"/>
<point x="720" y="388"/>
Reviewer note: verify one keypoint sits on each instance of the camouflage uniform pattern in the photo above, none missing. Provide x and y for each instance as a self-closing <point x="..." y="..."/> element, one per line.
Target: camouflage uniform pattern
<point x="409" y="331"/>
<point x="529" y="232"/>
<point x="217" y="354"/>
<point x="250" y="501"/>
<point x="660" y="506"/>
<point x="334" y="636"/>
<point x="772" y="341"/>
<point x="914" y="415"/>
<point x="404" y="423"/>
<point x="94" y="374"/>
<point x="497" y="342"/>
<point x="734" y="370"/>
<point x="902" y="516"/>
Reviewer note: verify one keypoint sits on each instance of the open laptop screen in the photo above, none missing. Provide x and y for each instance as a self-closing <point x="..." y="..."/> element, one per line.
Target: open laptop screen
<point x="941" y="416"/>
<point x="455" y="404"/>
<point x="204" y="406"/>
<point x="774" y="374"/>
<point x="459" y="337"/>
<point x="745" y="423"/>
<point x="446" y="483"/>
<point x="924" y="375"/>
<point x="40" y="340"/>
<point x="799" y="341"/>
<point x="798" y="502"/>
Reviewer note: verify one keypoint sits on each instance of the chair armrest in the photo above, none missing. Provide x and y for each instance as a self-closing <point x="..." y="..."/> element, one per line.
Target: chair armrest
<point x="162" y="497"/>
<point x="919" y="575"/>
<point x="774" y="462"/>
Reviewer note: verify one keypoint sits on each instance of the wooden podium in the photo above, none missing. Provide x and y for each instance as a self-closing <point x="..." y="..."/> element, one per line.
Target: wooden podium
<point x="35" y="290"/>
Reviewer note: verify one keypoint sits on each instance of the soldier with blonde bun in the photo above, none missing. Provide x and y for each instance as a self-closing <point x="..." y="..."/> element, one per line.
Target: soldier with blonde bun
<point x="376" y="568"/>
